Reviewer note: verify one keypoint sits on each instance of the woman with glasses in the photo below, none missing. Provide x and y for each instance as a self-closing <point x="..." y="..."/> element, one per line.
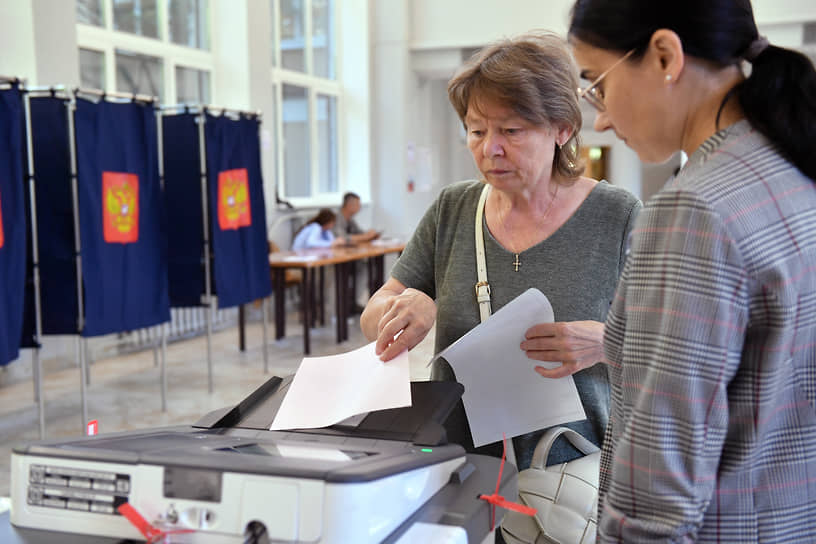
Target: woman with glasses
<point x="711" y="339"/>
<point x="543" y="226"/>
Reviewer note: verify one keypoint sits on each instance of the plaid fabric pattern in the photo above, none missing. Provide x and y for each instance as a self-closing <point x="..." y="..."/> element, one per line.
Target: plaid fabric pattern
<point x="712" y="341"/>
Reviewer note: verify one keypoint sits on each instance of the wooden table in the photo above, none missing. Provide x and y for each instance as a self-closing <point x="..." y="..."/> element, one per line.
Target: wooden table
<point x="313" y="260"/>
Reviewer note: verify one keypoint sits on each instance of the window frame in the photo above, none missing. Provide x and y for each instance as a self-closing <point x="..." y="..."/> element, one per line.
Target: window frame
<point x="107" y="40"/>
<point x="314" y="85"/>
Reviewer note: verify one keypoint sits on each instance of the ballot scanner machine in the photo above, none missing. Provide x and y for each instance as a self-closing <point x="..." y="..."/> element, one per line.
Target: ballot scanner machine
<point x="385" y="476"/>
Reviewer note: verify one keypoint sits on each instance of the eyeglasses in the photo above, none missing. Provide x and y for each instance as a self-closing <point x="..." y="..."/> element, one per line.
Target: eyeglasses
<point x="593" y="94"/>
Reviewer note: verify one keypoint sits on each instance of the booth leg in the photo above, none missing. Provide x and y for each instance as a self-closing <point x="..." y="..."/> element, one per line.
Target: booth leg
<point x="80" y="355"/>
<point x="209" y="318"/>
<point x="164" y="367"/>
<point x="341" y="299"/>
<point x="265" y="342"/>
<point x="321" y="308"/>
<point x="280" y="303"/>
<point x="38" y="392"/>
<point x="306" y="303"/>
<point x="87" y="360"/>
<point x="241" y="327"/>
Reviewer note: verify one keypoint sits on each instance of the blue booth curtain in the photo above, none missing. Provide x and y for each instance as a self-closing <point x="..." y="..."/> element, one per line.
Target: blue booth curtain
<point x="237" y="210"/>
<point x="55" y="222"/>
<point x="12" y="223"/>
<point x="182" y="196"/>
<point x="124" y="249"/>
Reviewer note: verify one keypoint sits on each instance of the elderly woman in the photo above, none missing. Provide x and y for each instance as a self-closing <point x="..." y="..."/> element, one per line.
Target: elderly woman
<point x="543" y="225"/>
<point x="712" y="335"/>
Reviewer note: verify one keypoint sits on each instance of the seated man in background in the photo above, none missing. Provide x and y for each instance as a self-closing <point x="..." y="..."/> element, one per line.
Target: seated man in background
<point x="346" y="227"/>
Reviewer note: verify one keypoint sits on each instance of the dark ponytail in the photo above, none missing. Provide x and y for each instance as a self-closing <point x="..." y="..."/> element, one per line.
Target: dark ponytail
<point x="779" y="100"/>
<point x="779" y="97"/>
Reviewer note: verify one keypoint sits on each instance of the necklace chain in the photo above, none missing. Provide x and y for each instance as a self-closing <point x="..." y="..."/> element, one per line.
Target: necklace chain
<point x="516" y="262"/>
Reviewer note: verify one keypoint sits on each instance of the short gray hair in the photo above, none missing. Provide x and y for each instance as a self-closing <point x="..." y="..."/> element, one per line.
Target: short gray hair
<point x="535" y="75"/>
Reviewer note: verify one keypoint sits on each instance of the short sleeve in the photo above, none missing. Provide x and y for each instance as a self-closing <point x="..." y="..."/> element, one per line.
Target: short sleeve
<point x="416" y="266"/>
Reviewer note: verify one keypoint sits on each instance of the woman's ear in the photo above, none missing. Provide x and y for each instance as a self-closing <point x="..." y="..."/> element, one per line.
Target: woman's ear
<point x="666" y="51"/>
<point x="563" y="135"/>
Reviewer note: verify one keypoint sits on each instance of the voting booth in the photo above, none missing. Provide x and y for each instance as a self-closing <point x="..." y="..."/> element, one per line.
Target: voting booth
<point x="214" y="196"/>
<point x="12" y="219"/>
<point x="121" y="217"/>
<point x="95" y="198"/>
<point x="85" y="206"/>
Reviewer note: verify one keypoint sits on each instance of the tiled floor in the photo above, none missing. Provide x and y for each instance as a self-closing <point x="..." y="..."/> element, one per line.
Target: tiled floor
<point x="125" y="391"/>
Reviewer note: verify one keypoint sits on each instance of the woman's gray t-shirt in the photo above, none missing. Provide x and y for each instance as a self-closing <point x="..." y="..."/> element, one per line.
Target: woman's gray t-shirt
<point x="577" y="268"/>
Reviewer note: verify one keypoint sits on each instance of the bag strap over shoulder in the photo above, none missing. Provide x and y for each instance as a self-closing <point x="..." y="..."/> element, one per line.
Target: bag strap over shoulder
<point x="482" y="287"/>
<point x="546" y="442"/>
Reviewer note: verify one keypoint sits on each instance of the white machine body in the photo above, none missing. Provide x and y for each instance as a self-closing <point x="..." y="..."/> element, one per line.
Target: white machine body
<point x="75" y="496"/>
<point x="387" y="476"/>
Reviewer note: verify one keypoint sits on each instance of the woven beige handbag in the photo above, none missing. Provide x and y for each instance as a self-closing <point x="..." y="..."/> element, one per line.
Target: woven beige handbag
<point x="565" y="495"/>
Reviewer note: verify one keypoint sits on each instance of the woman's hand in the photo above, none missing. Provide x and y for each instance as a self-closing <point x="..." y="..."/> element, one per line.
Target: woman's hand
<point x="396" y="310"/>
<point x="575" y="344"/>
<point x="408" y="317"/>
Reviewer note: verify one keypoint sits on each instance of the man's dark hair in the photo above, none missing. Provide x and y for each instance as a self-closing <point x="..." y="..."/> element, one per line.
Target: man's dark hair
<point x="348" y="197"/>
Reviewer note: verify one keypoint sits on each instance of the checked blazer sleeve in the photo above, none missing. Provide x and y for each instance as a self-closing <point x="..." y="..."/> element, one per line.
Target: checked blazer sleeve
<point x="712" y="346"/>
<point x="684" y="288"/>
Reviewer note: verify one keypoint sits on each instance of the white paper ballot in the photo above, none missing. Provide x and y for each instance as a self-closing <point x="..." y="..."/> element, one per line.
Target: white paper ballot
<point x="503" y="392"/>
<point x="327" y="390"/>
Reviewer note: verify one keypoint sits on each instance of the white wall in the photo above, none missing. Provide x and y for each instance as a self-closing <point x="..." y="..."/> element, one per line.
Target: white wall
<point x="17" y="40"/>
<point x="393" y="97"/>
<point x="355" y="77"/>
<point x="36" y="44"/>
<point x="472" y="23"/>
<point x="55" y="42"/>
<point x="783" y="11"/>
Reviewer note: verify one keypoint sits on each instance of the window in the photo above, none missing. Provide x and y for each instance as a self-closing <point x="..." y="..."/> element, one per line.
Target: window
<point x="188" y="23"/>
<point x="327" y="143"/>
<point x="323" y="38"/>
<point x="292" y="35"/>
<point x="138" y="74"/>
<point x="153" y="47"/>
<point x="90" y="12"/>
<point x="274" y="28"/>
<point x="192" y="86"/>
<point x="92" y="68"/>
<point x="168" y="48"/>
<point x="137" y="17"/>
<point x="296" y="160"/>
<point x="304" y="68"/>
